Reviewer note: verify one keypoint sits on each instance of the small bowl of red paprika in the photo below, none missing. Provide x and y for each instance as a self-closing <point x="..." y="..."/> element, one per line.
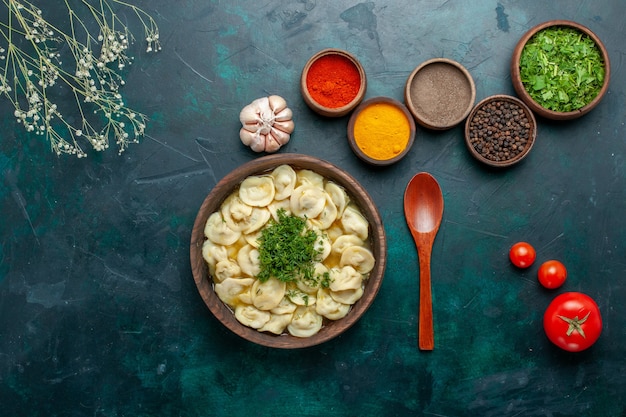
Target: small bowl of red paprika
<point x="333" y="82"/>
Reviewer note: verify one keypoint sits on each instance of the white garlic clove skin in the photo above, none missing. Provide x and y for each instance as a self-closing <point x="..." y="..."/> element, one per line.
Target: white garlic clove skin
<point x="250" y="115"/>
<point x="284" y="115"/>
<point x="246" y="136"/>
<point x="276" y="103"/>
<point x="249" y="138"/>
<point x="254" y="140"/>
<point x="271" y="144"/>
<point x="287" y="126"/>
<point x="266" y="124"/>
<point x="279" y="136"/>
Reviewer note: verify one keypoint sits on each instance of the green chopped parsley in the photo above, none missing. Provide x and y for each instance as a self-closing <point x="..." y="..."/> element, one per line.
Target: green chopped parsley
<point x="288" y="250"/>
<point x="562" y="68"/>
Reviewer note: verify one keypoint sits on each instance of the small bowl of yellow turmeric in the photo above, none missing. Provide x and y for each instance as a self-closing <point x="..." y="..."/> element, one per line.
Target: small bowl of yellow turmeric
<point x="381" y="131"/>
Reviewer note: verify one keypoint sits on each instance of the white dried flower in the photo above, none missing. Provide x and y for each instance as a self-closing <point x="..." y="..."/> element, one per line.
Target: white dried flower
<point x="32" y="68"/>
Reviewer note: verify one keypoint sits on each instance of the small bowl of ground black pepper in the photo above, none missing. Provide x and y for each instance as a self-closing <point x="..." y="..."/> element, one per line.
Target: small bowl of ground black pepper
<point x="333" y="82"/>
<point x="500" y="131"/>
<point x="560" y="69"/>
<point x="381" y="131"/>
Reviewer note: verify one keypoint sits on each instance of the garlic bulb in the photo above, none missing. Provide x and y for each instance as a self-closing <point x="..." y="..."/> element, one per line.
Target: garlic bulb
<point x="267" y="124"/>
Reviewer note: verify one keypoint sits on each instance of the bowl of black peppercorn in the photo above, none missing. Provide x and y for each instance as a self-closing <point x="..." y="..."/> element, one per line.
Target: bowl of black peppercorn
<point x="500" y="131"/>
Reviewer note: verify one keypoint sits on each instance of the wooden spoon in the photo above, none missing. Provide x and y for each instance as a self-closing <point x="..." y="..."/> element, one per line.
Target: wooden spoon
<point x="423" y="209"/>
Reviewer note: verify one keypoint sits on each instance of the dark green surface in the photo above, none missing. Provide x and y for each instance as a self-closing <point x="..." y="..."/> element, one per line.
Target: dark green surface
<point x="99" y="315"/>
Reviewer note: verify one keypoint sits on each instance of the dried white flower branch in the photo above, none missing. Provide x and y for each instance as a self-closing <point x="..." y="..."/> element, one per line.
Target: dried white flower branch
<point x="39" y="61"/>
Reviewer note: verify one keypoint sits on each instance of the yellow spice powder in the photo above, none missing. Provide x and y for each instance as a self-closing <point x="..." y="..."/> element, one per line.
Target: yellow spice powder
<point x="381" y="131"/>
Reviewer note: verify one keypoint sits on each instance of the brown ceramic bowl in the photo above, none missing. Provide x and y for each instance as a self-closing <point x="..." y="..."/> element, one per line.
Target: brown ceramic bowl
<point x="440" y="93"/>
<point x="324" y="109"/>
<point x="265" y="164"/>
<point x="520" y="89"/>
<point x="393" y="155"/>
<point x="525" y="124"/>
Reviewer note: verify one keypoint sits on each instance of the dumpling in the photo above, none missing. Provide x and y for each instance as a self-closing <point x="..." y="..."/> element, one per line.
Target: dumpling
<point x="267" y="295"/>
<point x="218" y="231"/>
<point x="257" y="191"/>
<point x="347" y="296"/>
<point x="346" y="241"/>
<point x="284" y="181"/>
<point x="334" y="232"/>
<point x="251" y="316"/>
<point x="249" y="261"/>
<point x="277" y="205"/>
<point x="307" y="200"/>
<point x="359" y="257"/>
<point x="235" y="212"/>
<point x="305" y="322"/>
<point x="310" y="286"/>
<point x="301" y="298"/>
<point x="213" y="253"/>
<point x="322" y="245"/>
<point x="338" y="195"/>
<point x="306" y="176"/>
<point x="327" y="306"/>
<point x="252" y="239"/>
<point x="328" y="215"/>
<point x="243" y="218"/>
<point x="346" y="278"/>
<point x="229" y="290"/>
<point x="285" y="306"/>
<point x="226" y="269"/>
<point x="277" y="323"/>
<point x="354" y="223"/>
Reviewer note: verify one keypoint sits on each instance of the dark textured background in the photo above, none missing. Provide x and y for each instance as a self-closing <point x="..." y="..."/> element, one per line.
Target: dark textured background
<point x="99" y="315"/>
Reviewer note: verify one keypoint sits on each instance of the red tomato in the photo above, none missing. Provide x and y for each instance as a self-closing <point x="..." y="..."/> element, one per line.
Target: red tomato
<point x="552" y="274"/>
<point x="522" y="255"/>
<point x="572" y="321"/>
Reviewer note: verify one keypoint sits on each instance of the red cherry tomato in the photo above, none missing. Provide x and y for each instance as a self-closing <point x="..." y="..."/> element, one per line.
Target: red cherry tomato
<point x="552" y="274"/>
<point x="522" y="254"/>
<point x="572" y="321"/>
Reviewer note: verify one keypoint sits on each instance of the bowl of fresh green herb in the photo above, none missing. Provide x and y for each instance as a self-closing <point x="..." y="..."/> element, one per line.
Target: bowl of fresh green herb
<point x="560" y="69"/>
<point x="288" y="251"/>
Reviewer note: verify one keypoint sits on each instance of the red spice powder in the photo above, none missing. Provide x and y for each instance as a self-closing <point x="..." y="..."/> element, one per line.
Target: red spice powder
<point x="333" y="81"/>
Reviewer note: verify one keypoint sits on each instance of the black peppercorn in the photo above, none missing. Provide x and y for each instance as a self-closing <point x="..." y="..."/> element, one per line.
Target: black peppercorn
<point x="499" y="130"/>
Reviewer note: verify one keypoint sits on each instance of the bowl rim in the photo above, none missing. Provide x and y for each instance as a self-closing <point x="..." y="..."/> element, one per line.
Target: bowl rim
<point x="532" y="136"/>
<point x="520" y="90"/>
<point x="418" y="116"/>
<point x="329" y="111"/>
<point x="352" y="141"/>
<point x="225" y="186"/>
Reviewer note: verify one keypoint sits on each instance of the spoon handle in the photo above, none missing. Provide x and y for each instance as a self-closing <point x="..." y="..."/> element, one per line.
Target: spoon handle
<point x="426" y="337"/>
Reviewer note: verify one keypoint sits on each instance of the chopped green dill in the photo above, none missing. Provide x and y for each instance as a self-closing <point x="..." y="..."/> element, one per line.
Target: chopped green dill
<point x="562" y="68"/>
<point x="287" y="249"/>
<point x="325" y="280"/>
